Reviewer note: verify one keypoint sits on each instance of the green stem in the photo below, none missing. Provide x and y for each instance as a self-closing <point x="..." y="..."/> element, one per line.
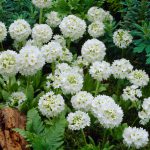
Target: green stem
<point x="53" y="68"/>
<point x="134" y="121"/>
<point x="123" y="53"/>
<point x="104" y="137"/>
<point x="84" y="138"/>
<point x="41" y="14"/>
<point x="2" y="48"/>
<point x="97" y="87"/>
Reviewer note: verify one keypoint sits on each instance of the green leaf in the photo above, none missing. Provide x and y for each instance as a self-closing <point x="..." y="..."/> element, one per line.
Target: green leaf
<point x="30" y="92"/>
<point x="55" y="134"/>
<point x="147" y="49"/>
<point x="34" y="122"/>
<point x="5" y="95"/>
<point x="139" y="49"/>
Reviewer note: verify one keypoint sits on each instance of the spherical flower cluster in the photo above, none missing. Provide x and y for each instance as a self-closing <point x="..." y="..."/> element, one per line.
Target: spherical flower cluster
<point x="66" y="55"/>
<point x="52" y="51"/>
<point x="17" y="98"/>
<point x="42" y="33"/>
<point x="93" y="50"/>
<point x="122" y="38"/>
<point x="20" y="30"/>
<point x="60" y="39"/>
<point x="50" y="105"/>
<point x="72" y="27"/>
<point x="121" y="68"/>
<point x="78" y="120"/>
<point x="139" y="78"/>
<point x="69" y="79"/>
<point x="32" y="42"/>
<point x="30" y="60"/>
<point x="144" y="115"/>
<point x="42" y="3"/>
<point x="98" y="14"/>
<point x="8" y="63"/>
<point x="108" y="113"/>
<point x="96" y="29"/>
<point x="72" y="82"/>
<point x="53" y="19"/>
<point x="3" y="31"/>
<point x="135" y="137"/>
<point x="82" y="101"/>
<point x="81" y="62"/>
<point x="100" y="70"/>
<point x="131" y="93"/>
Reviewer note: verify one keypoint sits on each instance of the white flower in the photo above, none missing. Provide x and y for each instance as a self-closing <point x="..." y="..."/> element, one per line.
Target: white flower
<point x="135" y="137"/>
<point x="42" y="33"/>
<point x="78" y="120"/>
<point x="122" y="38"/>
<point x="8" y="63"/>
<point x="69" y="79"/>
<point x="42" y="3"/>
<point x="30" y="60"/>
<point x="72" y="27"/>
<point x="100" y="70"/>
<point x="121" y="68"/>
<point x="80" y="62"/>
<point x="17" y="98"/>
<point x="71" y="82"/>
<point x="60" y="39"/>
<point x="3" y="31"/>
<point x="131" y="93"/>
<point x="96" y="29"/>
<point x="82" y="101"/>
<point x="108" y="113"/>
<point x="53" y="19"/>
<point x="95" y="14"/>
<point x="144" y="115"/>
<point x="50" y="105"/>
<point x="20" y="30"/>
<point x="34" y="43"/>
<point x="66" y="55"/>
<point x="139" y="78"/>
<point x="52" y="51"/>
<point x="99" y="14"/>
<point x="93" y="50"/>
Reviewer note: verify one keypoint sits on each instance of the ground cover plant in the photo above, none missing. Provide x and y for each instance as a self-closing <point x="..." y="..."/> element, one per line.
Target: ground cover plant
<point x="79" y="70"/>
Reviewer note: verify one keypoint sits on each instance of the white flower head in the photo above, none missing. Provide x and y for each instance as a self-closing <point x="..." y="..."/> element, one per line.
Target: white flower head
<point x="78" y="120"/>
<point x="100" y="70"/>
<point x="20" y="30"/>
<point x="95" y="14"/>
<point x="132" y="93"/>
<point x="72" y="82"/>
<point x="66" y="55"/>
<point x="53" y="19"/>
<point x="81" y="62"/>
<point x="135" y="137"/>
<point x="121" y="68"/>
<point x="122" y="38"/>
<point x="108" y="113"/>
<point x="17" y="98"/>
<point x="96" y="29"/>
<point x="139" y="78"/>
<point x="82" y="101"/>
<point x="72" y="27"/>
<point x="51" y="105"/>
<point x="60" y="39"/>
<point x="3" y="31"/>
<point x="93" y="50"/>
<point x="42" y="3"/>
<point x="8" y="63"/>
<point x="42" y="33"/>
<point x="30" y="60"/>
<point x="34" y="43"/>
<point x="52" y="51"/>
<point x="144" y="115"/>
